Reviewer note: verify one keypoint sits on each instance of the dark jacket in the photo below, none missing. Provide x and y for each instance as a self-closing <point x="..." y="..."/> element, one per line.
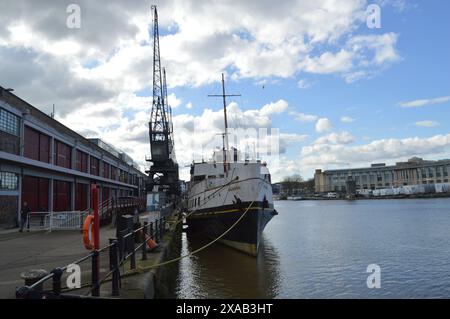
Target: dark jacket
<point x="25" y="211"/>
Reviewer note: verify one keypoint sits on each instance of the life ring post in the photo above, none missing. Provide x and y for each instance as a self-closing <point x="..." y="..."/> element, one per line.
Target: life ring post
<point x="96" y="228"/>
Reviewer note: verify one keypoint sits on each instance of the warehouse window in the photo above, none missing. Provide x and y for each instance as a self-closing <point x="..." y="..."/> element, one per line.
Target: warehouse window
<point x="8" y="181"/>
<point x="95" y="166"/>
<point x="63" y="154"/>
<point x="9" y="122"/>
<point x="37" y="145"/>
<point x="81" y="161"/>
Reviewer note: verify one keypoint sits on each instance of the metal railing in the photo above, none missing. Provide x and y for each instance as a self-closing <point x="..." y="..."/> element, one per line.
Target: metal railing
<point x="125" y="248"/>
<point x="39" y="220"/>
<point x="56" y="220"/>
<point x="73" y="220"/>
<point x="67" y="220"/>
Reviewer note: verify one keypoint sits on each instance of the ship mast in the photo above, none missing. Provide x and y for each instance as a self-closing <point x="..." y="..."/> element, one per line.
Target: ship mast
<point x="225" y="134"/>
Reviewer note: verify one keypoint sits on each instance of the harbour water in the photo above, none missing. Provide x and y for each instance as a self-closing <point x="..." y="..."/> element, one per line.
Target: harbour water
<point x="321" y="249"/>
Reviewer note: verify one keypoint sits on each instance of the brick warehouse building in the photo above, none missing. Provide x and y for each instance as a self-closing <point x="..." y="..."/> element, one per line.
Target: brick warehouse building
<point x="51" y="167"/>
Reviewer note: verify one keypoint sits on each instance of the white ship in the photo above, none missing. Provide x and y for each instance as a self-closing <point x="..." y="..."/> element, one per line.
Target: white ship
<point x="230" y="196"/>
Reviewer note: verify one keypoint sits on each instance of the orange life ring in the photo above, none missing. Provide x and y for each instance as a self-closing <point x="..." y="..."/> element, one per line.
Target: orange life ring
<point x="87" y="232"/>
<point x="151" y="244"/>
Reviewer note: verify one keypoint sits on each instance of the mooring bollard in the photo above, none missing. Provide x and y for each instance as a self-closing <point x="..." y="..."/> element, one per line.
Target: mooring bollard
<point x="33" y="276"/>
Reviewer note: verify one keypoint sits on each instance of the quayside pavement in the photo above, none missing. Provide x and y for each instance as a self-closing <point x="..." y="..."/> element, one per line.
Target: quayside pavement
<point x="21" y="252"/>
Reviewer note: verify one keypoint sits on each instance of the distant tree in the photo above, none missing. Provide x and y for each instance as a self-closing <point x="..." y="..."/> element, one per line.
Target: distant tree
<point x="291" y="185"/>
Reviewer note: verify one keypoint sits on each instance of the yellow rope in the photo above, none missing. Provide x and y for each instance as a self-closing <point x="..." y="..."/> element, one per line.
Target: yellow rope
<point x="201" y="248"/>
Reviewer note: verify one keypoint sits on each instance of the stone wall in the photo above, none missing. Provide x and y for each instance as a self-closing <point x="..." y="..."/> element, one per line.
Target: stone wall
<point x="8" y="211"/>
<point x="166" y="276"/>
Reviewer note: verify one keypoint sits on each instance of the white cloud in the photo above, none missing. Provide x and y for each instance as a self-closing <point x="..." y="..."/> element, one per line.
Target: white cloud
<point x="424" y="102"/>
<point x="328" y="63"/>
<point x="293" y="138"/>
<point x="189" y="105"/>
<point x="383" y="47"/>
<point x="323" y="125"/>
<point x="197" y="136"/>
<point x="302" y="117"/>
<point x="174" y="102"/>
<point x="336" y="138"/>
<point x="328" y="156"/>
<point x="109" y="60"/>
<point x="427" y="124"/>
<point x="347" y="119"/>
<point x="274" y="108"/>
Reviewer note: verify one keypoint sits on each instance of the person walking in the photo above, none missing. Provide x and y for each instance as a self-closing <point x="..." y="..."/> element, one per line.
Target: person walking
<point x="24" y="216"/>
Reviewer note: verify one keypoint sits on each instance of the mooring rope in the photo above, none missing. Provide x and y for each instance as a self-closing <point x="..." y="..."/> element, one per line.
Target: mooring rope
<point x="143" y="269"/>
<point x="201" y="248"/>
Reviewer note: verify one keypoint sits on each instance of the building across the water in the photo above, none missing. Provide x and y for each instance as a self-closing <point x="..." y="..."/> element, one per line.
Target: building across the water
<point x="51" y="167"/>
<point x="416" y="171"/>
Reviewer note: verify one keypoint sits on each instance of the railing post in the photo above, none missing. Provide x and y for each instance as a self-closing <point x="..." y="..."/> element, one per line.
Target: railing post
<point x="156" y="231"/>
<point x="120" y="245"/>
<point x="144" y="241"/>
<point x="133" y="251"/>
<point x="161" y="228"/>
<point x="57" y="274"/>
<point x="114" y="266"/>
<point x="95" y="274"/>
<point x="151" y="231"/>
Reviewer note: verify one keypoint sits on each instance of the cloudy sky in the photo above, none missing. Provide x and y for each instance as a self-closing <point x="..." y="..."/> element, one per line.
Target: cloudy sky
<point x="340" y="94"/>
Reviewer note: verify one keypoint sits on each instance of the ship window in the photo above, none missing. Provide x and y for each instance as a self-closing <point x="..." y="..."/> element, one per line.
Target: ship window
<point x="198" y="201"/>
<point x="212" y="176"/>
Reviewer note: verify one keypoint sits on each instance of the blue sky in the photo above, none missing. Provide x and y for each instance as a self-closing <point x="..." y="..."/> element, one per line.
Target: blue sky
<point x="339" y="93"/>
<point x="421" y="73"/>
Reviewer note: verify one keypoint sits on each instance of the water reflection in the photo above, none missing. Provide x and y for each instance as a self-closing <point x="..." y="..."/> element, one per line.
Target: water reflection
<point x="221" y="272"/>
<point x="321" y="249"/>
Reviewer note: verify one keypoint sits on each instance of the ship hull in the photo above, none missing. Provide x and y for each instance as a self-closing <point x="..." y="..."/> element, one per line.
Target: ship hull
<point x="245" y="236"/>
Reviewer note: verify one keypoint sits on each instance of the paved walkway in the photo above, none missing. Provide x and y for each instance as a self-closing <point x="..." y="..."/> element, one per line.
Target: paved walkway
<point x="20" y="252"/>
<point x="39" y="250"/>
